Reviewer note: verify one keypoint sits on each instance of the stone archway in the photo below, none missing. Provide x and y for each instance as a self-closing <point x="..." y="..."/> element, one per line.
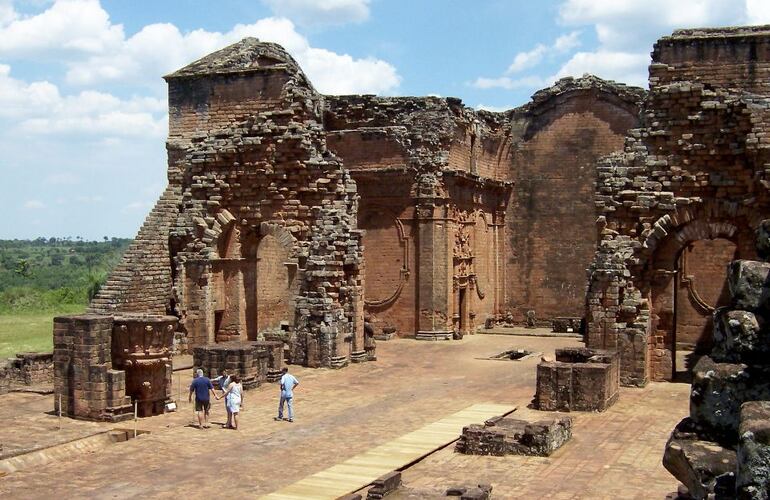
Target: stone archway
<point x="275" y="279"/>
<point x="686" y="282"/>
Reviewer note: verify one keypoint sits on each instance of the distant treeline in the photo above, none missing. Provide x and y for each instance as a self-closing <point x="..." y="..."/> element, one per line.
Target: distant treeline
<point x="47" y="273"/>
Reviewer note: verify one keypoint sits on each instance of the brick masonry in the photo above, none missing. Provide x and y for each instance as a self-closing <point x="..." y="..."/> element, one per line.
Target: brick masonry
<point x="696" y="170"/>
<point x="578" y="380"/>
<point x="469" y="216"/>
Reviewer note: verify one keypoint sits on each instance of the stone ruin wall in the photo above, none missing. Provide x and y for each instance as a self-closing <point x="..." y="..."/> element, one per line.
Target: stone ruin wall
<point x="737" y="58"/>
<point x="424" y="246"/>
<point x="529" y="243"/>
<point x="554" y="143"/>
<point x="262" y="198"/>
<point x="695" y="171"/>
<point x="254" y="151"/>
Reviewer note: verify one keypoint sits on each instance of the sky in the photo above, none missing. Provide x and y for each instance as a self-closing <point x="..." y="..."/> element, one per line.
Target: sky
<point x="83" y="106"/>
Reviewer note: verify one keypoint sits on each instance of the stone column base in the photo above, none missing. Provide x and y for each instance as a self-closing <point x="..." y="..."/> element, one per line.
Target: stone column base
<point x="338" y="362"/>
<point x="434" y="335"/>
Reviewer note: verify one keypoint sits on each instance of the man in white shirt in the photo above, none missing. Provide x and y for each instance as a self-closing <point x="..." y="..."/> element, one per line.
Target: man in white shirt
<point x="288" y="383"/>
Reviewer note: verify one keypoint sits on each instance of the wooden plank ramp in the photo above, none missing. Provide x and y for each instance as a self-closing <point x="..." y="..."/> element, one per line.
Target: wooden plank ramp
<point x="360" y="470"/>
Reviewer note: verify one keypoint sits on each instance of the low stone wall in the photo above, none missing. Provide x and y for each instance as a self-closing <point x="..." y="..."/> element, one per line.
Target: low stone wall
<point x="510" y="436"/>
<point x="254" y="361"/>
<point x="83" y="374"/>
<point x="26" y="369"/>
<point x="579" y="380"/>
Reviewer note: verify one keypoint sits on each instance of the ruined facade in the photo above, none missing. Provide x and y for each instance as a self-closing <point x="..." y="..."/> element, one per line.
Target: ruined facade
<point x="681" y="200"/>
<point x="467" y="215"/>
<point x="257" y="229"/>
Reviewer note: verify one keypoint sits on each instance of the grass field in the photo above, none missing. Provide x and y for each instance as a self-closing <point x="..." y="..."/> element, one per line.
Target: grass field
<point x="29" y="331"/>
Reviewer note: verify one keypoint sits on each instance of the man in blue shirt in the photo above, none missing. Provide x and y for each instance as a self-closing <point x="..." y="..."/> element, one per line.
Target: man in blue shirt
<point x="203" y="389"/>
<point x="223" y="380"/>
<point x="288" y="383"/>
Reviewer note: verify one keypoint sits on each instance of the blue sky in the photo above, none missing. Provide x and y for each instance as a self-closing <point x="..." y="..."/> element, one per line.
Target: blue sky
<point x="83" y="114"/>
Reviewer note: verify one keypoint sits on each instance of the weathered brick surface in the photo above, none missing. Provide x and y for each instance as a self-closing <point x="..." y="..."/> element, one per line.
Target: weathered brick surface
<point x="27" y="368"/>
<point x="579" y="380"/>
<point x="551" y="217"/>
<point x="696" y="170"/>
<point x="720" y="57"/>
<point x="254" y="362"/>
<point x="84" y="379"/>
<point x="510" y="436"/>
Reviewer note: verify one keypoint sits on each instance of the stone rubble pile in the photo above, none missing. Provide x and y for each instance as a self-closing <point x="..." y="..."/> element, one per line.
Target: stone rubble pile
<point x="510" y="436"/>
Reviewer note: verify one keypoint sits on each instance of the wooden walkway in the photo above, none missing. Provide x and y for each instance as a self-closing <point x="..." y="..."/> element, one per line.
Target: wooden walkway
<point x="359" y="471"/>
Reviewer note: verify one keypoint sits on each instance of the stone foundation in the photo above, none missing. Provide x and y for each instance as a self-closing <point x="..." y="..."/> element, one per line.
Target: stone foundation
<point x="383" y="486"/>
<point x="103" y="364"/>
<point x="510" y="436"/>
<point x="753" y="472"/>
<point x="579" y="380"/>
<point x="84" y="379"/>
<point x="255" y="362"/>
<point x="566" y="325"/>
<point x="27" y="369"/>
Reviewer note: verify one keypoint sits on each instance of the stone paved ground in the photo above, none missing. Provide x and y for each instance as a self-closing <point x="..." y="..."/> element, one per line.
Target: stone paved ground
<point x="343" y="413"/>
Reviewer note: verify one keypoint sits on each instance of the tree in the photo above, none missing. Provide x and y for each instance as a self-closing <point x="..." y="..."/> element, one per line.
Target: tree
<point x="23" y="268"/>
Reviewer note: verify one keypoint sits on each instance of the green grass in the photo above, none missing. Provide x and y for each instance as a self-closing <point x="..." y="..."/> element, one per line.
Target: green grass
<point x="24" y="332"/>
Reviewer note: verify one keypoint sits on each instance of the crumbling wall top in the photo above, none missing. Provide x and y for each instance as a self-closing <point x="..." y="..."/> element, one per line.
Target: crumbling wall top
<point x="627" y="93"/>
<point x="720" y="32"/>
<point x="248" y="55"/>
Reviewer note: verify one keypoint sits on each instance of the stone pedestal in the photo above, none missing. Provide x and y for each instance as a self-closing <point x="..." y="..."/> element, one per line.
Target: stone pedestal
<point x="579" y="380"/>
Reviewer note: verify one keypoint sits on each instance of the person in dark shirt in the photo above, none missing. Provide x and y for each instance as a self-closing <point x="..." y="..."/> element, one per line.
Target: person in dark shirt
<point x="203" y="389"/>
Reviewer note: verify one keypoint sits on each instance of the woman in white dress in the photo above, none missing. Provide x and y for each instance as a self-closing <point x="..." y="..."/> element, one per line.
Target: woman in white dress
<point x="234" y="395"/>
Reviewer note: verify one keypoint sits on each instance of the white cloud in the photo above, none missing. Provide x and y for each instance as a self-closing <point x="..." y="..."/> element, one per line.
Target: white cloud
<point x="7" y="12"/>
<point x="567" y="42"/>
<point x="531" y="58"/>
<point x="98" y="51"/>
<point x="321" y="12"/>
<point x="628" y="24"/>
<point x="624" y="67"/>
<point x="507" y="83"/>
<point x="39" y="108"/>
<point x="34" y="204"/>
<point x="758" y="11"/>
<point x="79" y="26"/>
<point x="525" y="60"/>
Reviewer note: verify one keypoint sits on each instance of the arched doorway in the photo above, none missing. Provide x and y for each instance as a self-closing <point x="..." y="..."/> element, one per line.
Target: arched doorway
<point x="275" y="281"/>
<point x="689" y="276"/>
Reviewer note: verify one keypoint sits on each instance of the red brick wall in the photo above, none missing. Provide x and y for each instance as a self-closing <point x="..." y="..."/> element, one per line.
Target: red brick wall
<point x="551" y="218"/>
<point x="383" y="199"/>
<point x="201" y="104"/>
<point x="704" y="263"/>
<point x="366" y="149"/>
<point x="483" y="264"/>
<point x="736" y="61"/>
<point x="274" y="284"/>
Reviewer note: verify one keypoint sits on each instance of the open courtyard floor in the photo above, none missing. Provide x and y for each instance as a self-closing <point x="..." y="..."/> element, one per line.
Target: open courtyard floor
<point x="343" y="413"/>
